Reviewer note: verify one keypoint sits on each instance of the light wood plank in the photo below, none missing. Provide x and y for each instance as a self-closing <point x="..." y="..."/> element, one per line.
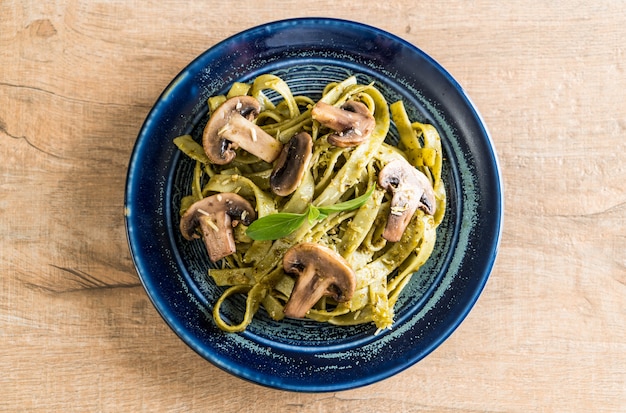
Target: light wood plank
<point x="77" y="331"/>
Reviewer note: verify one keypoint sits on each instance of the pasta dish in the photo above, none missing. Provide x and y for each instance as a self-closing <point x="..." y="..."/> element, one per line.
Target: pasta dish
<point x="305" y="208"/>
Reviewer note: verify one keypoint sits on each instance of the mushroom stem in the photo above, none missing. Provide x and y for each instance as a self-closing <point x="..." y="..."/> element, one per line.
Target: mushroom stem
<point x="218" y="240"/>
<point x="308" y="290"/>
<point x="251" y="138"/>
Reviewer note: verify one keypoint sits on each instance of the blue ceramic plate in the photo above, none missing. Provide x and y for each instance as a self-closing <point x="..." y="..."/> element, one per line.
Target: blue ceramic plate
<point x="299" y="355"/>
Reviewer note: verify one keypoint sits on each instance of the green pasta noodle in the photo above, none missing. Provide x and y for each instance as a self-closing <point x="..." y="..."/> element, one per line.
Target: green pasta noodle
<point x="335" y="175"/>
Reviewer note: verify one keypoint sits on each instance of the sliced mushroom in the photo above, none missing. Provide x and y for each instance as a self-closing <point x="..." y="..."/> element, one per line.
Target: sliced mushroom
<point x="216" y="216"/>
<point x="352" y="122"/>
<point x="291" y="164"/>
<point x="410" y="189"/>
<point x="320" y="272"/>
<point x="231" y="127"/>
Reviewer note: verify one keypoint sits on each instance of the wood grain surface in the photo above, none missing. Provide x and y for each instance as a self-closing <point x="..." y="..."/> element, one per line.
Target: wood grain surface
<point x="77" y="330"/>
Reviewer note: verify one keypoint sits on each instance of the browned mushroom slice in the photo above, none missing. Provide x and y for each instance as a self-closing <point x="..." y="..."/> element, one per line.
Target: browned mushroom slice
<point x="352" y="122"/>
<point x="410" y="189"/>
<point x="231" y="127"/>
<point x="216" y="216"/>
<point x="291" y="164"/>
<point x="320" y="272"/>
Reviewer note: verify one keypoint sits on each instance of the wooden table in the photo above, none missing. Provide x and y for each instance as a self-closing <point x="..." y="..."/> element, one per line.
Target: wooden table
<point x="77" y="330"/>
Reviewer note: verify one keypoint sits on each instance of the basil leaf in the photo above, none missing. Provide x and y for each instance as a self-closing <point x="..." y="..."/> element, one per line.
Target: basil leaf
<point x="348" y="205"/>
<point x="313" y="214"/>
<point x="275" y="226"/>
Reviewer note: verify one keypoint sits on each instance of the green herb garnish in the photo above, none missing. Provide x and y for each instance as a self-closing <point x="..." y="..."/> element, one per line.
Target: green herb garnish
<point x="275" y="226"/>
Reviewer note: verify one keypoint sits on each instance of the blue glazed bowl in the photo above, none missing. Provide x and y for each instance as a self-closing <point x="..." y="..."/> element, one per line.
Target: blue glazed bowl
<point x="292" y="354"/>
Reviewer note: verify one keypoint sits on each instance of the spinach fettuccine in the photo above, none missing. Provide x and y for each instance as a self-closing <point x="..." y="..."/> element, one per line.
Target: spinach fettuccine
<point x="328" y="191"/>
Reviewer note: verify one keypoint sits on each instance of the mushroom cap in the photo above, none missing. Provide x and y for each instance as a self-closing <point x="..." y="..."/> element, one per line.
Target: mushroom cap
<point x="410" y="190"/>
<point x="291" y="164"/>
<point x="230" y="127"/>
<point x="215" y="216"/>
<point x="221" y="151"/>
<point x="320" y="272"/>
<point x="353" y="122"/>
